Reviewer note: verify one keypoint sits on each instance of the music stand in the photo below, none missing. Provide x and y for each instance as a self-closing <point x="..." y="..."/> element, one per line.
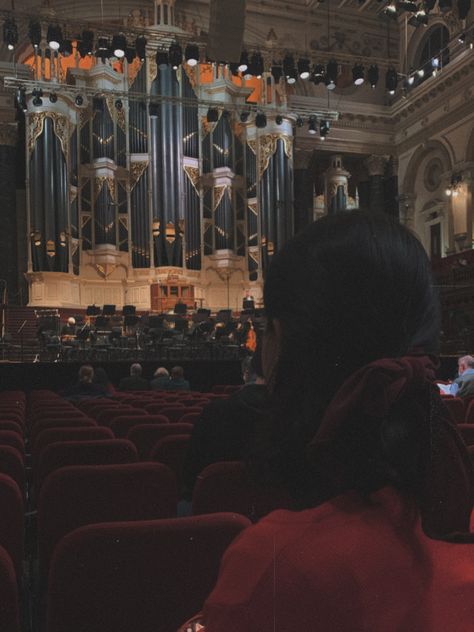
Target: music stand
<point x="130" y="320"/>
<point x="92" y="310"/>
<point x="128" y="310"/>
<point x="101" y="322"/>
<point x="224" y="315"/>
<point x="180" y="308"/>
<point x="155" y="321"/>
<point x="108" y="310"/>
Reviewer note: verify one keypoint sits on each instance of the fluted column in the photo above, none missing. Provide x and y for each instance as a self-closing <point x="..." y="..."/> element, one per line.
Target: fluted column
<point x="376" y="168"/>
<point x="8" y="232"/>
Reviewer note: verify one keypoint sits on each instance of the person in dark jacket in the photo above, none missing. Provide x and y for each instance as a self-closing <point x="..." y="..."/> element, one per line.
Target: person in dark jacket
<point x="226" y="428"/>
<point x="135" y="382"/>
<point x="177" y="381"/>
<point x="85" y="386"/>
<point x="162" y="378"/>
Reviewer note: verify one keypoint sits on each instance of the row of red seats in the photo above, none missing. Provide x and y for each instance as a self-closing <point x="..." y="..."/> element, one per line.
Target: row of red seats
<point x="461" y="410"/>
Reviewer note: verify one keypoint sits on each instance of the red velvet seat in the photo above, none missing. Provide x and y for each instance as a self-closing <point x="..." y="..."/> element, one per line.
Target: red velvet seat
<point x="467" y="433"/>
<point x="171" y="451"/>
<point x="157" y="408"/>
<point x="175" y="412"/>
<point x="225" y="486"/>
<point x="455" y="406"/>
<point x="10" y="437"/>
<point x="146" y="436"/>
<point x="12" y="523"/>
<point x="190" y="418"/>
<point x="13" y="426"/>
<point x="122" y="425"/>
<point x="469" y="415"/>
<point x="101" y="452"/>
<point x="10" y="609"/>
<point x="145" y="576"/>
<point x="12" y="464"/>
<point x="107" y="415"/>
<point x="72" y="497"/>
<point x="47" y="424"/>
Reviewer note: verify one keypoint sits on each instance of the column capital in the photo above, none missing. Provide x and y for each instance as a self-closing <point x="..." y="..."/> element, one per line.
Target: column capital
<point x="376" y="164"/>
<point x="8" y="134"/>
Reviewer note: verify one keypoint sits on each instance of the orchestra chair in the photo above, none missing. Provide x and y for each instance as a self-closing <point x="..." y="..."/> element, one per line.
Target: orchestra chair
<point x="10" y="610"/>
<point x="225" y="486"/>
<point x="98" y="452"/>
<point x="72" y="497"/>
<point x="147" y="576"/>
<point x="121" y="426"/>
<point x="146" y="436"/>
<point x="171" y="451"/>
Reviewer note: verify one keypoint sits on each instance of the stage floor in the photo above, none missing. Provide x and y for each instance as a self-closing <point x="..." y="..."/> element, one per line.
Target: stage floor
<point x="26" y="376"/>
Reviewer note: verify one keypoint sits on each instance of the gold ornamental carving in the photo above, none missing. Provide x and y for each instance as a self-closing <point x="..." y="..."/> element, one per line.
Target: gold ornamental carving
<point x="268" y="145"/>
<point x="104" y="270"/>
<point x="137" y="169"/>
<point x="253" y="208"/>
<point x="193" y="175"/>
<point x="219" y="192"/>
<point x="35" y="128"/>
<point x="152" y="69"/>
<point x="8" y="134"/>
<point x="119" y="113"/>
<point x="99" y="182"/>
<point x="252" y="146"/>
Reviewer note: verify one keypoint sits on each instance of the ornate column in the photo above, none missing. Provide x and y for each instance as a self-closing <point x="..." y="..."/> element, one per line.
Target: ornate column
<point x="8" y="233"/>
<point x="376" y="168"/>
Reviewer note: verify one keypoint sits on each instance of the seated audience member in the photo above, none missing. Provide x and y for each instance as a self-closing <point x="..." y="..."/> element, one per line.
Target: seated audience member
<point x="463" y="385"/>
<point x="85" y="387"/>
<point x="69" y="328"/>
<point x="162" y="378"/>
<point x="101" y="378"/>
<point x="135" y="382"/>
<point x="359" y="436"/>
<point x="177" y="381"/>
<point x="226" y="427"/>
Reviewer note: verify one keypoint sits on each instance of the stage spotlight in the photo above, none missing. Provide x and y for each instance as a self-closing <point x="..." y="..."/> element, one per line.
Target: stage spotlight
<point x="162" y="58"/>
<point x="21" y="99"/>
<point x="435" y="62"/>
<point x="324" y="128"/>
<point x="130" y="54"/>
<point x="37" y="100"/>
<point x="445" y="5"/>
<point x="289" y="66"/>
<point x="464" y="6"/>
<point x="85" y="45"/>
<point x="411" y="80"/>
<point x="244" y="116"/>
<point x="261" y="120"/>
<point x="312" y="125"/>
<point x="54" y="36"/>
<point x="256" y="64"/>
<point x="420" y="72"/>
<point x="331" y="74"/>
<point x="277" y="72"/>
<point x="34" y="33"/>
<point x="140" y="47"/>
<point x="212" y="115"/>
<point x="304" y="68"/>
<point x="299" y="122"/>
<point x="234" y="68"/>
<point x="358" y="74"/>
<point x="53" y="97"/>
<point x="175" y="54"/>
<point x="373" y="75"/>
<point x="462" y="38"/>
<point x="244" y="61"/>
<point x="66" y="48"/>
<point x="79" y="100"/>
<point x="391" y="80"/>
<point x="154" y="110"/>
<point x="119" y="105"/>
<point x="10" y="33"/>
<point x="119" y="45"/>
<point x="318" y="73"/>
<point x="407" y="6"/>
<point x="292" y="76"/>
<point x="391" y="7"/>
<point x="191" y="54"/>
<point x="102" y="51"/>
<point x="278" y="119"/>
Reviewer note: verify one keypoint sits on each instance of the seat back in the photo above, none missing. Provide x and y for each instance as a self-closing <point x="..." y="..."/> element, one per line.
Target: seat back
<point x="171" y="451"/>
<point x="455" y="406"/>
<point x="100" y="452"/>
<point x="75" y="496"/>
<point x="225" y="486"/>
<point x="175" y="412"/>
<point x="12" y="464"/>
<point x="14" y="426"/>
<point x="147" y="576"/>
<point x="467" y="433"/>
<point x="10" y="610"/>
<point x="146" y="436"/>
<point x="122" y="425"/>
<point x="12" y="522"/>
<point x="65" y="422"/>
<point x="10" y="437"/>
<point x="469" y="415"/>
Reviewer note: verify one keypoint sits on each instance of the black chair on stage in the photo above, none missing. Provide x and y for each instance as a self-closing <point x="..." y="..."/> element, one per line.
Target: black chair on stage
<point x="181" y="309"/>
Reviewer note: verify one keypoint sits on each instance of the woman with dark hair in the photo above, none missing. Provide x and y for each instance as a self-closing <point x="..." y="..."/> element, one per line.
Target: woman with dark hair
<point x="102" y="379"/>
<point x="380" y="479"/>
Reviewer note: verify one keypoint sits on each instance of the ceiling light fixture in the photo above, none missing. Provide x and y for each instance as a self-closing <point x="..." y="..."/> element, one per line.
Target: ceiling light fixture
<point x="358" y="74"/>
<point x="191" y="54"/>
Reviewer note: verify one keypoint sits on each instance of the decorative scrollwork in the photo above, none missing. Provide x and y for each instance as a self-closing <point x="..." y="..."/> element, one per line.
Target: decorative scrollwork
<point x="137" y="169"/>
<point x="36" y="126"/>
<point x="99" y="182"/>
<point x="268" y="146"/>
<point x="193" y="175"/>
<point x="219" y="192"/>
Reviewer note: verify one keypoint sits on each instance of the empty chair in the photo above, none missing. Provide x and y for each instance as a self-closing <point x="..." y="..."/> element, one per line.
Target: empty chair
<point x="157" y="408"/>
<point x="12" y="522"/>
<point x="455" y="406"/>
<point x="10" y="437"/>
<point x="146" y="576"/>
<point x="122" y="425"/>
<point x="11" y="425"/>
<point x="190" y="418"/>
<point x="174" y="413"/>
<point x="10" y="609"/>
<point x="101" y="452"/>
<point x="146" y="436"/>
<point x="107" y="415"/>
<point x="171" y="451"/>
<point x="12" y="464"/>
<point x="46" y="424"/>
<point x="75" y="496"/>
<point x="225" y="486"/>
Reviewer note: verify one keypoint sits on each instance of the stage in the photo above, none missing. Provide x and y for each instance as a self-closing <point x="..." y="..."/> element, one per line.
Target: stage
<point x="26" y="376"/>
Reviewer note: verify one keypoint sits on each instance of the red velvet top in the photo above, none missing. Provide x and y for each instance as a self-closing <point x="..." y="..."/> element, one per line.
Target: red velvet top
<point x="348" y="565"/>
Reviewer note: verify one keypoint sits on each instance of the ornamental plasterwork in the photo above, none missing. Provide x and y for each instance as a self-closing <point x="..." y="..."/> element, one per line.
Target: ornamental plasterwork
<point x="137" y="169"/>
<point x="193" y="175"/>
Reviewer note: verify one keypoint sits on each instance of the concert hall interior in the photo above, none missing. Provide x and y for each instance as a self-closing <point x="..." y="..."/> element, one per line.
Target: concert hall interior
<point x="155" y="158"/>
